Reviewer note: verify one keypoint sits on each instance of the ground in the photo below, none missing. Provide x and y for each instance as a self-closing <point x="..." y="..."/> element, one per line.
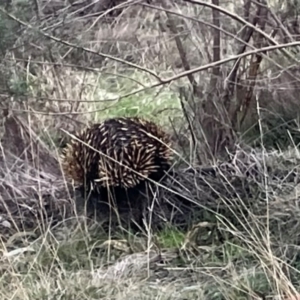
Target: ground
<point x="244" y="242"/>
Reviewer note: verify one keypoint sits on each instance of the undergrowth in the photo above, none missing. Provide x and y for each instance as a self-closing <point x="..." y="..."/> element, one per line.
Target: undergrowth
<point x="247" y="254"/>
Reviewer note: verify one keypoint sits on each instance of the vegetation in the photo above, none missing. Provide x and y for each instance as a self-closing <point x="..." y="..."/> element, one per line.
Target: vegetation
<point x="222" y="77"/>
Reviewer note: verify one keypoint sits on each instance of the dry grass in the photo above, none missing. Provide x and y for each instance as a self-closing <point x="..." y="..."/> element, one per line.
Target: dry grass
<point x="247" y="242"/>
<point x="249" y="254"/>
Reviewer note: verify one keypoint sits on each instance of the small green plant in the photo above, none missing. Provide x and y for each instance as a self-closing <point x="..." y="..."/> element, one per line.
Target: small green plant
<point x="171" y="237"/>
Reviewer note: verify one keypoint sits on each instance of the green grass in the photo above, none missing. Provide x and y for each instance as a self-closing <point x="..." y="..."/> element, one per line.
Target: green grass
<point x="81" y="265"/>
<point x="76" y="269"/>
<point x="170" y="237"/>
<point x="158" y="104"/>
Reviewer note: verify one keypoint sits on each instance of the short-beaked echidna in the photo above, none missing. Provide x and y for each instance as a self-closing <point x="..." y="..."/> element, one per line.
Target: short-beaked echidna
<point x="123" y="152"/>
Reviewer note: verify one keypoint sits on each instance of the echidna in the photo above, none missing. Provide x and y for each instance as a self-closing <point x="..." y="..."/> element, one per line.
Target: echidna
<point x="119" y="152"/>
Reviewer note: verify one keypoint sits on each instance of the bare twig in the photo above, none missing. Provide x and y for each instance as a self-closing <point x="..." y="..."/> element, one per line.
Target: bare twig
<point x="216" y="135"/>
<point x="195" y="70"/>
<point x="243" y="21"/>
<point x="225" y="32"/>
<point x="181" y="51"/>
<point x="216" y="46"/>
<point x="231" y="79"/>
<point x="183" y="96"/>
<point x="66" y="43"/>
<point x="255" y="64"/>
<point x="37" y="9"/>
<point x="121" y="5"/>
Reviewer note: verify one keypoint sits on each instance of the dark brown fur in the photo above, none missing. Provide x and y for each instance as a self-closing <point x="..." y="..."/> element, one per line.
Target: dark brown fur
<point x="140" y="146"/>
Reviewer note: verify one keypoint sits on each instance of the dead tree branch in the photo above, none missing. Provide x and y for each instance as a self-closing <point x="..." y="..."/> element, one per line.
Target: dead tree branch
<point x="181" y="51"/>
<point x="244" y="22"/>
<point x="256" y="60"/>
<point x="216" y="44"/>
